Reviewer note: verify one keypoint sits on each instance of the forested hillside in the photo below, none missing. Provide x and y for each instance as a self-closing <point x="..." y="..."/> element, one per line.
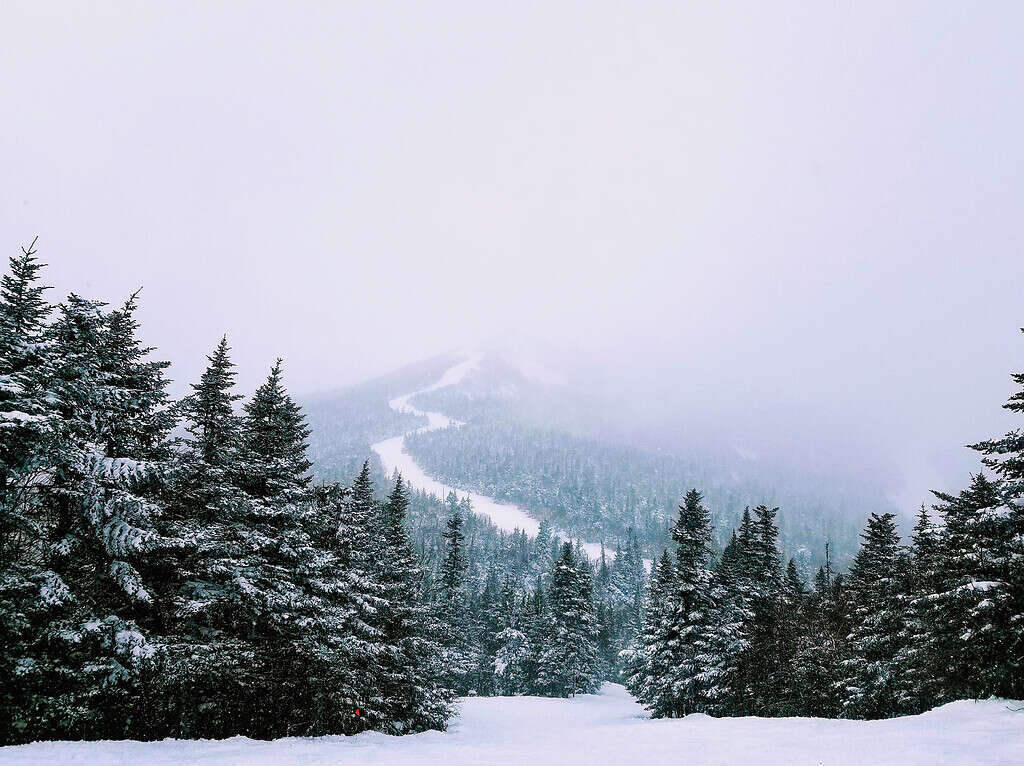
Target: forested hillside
<point x="560" y="452"/>
<point x="600" y="491"/>
<point x="345" y="422"/>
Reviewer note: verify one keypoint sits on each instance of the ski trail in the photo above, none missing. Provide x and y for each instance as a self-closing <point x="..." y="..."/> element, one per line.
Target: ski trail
<point x="393" y="456"/>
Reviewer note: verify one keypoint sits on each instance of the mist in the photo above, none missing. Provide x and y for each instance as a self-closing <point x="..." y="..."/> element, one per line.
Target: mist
<point x="797" y="221"/>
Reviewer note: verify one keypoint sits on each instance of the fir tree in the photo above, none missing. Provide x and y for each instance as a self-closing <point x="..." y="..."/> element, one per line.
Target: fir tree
<point x="873" y="682"/>
<point x="513" y="644"/>
<point x="105" y="467"/>
<point x="1005" y="455"/>
<point x="568" y="661"/>
<point x="413" y="692"/>
<point x="821" y="646"/>
<point x="693" y="606"/>
<point x="460" y="655"/>
<point x="626" y="587"/>
<point x="977" y="606"/>
<point x="273" y="463"/>
<point x="649" y="662"/>
<point x="918" y="659"/>
<point x="28" y="423"/>
<point x="208" y="666"/>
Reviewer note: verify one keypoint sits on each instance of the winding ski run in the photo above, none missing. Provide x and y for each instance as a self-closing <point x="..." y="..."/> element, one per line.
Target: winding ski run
<point x="394" y="456"/>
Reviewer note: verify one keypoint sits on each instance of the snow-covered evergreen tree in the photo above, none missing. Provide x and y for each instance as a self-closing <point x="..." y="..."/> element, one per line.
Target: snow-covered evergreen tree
<point x="209" y="665"/>
<point x="415" y="696"/>
<point x="919" y="658"/>
<point x="273" y="463"/>
<point x="693" y="607"/>
<point x="460" y="654"/>
<point x="873" y="682"/>
<point x="106" y="466"/>
<point x="724" y="655"/>
<point x="1005" y="454"/>
<point x="821" y="646"/>
<point x="568" y="662"/>
<point x="514" y="645"/>
<point x="626" y="588"/>
<point x="28" y="421"/>
<point x="1001" y="543"/>
<point x="978" y="612"/>
<point x="650" y="661"/>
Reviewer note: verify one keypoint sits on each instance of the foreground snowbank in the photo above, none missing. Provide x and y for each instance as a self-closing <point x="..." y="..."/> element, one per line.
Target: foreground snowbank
<point x="608" y="728"/>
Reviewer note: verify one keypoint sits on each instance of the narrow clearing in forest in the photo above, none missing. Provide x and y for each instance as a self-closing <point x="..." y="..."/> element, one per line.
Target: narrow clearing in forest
<point x="393" y="456"/>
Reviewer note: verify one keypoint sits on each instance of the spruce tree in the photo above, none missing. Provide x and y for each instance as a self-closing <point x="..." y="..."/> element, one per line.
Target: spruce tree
<point x="627" y="587"/>
<point x="919" y="659"/>
<point x="460" y="655"/>
<point x="977" y="624"/>
<point x="872" y="684"/>
<point x="754" y="593"/>
<point x="725" y="654"/>
<point x="208" y="668"/>
<point x="791" y="626"/>
<point x="489" y="619"/>
<point x="568" y="661"/>
<point x="412" y="689"/>
<point x="106" y="465"/>
<point x="28" y="423"/>
<point x="521" y="672"/>
<point x="273" y="444"/>
<point x="693" y="605"/>
<point x="821" y="646"/>
<point x="1002" y="533"/>
<point x="513" y="644"/>
<point x="650" y="661"/>
<point x="1005" y="454"/>
<point x="335" y="656"/>
<point x="26" y="416"/>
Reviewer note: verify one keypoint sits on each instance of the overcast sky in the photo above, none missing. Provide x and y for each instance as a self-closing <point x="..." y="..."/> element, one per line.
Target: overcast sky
<point x="820" y="206"/>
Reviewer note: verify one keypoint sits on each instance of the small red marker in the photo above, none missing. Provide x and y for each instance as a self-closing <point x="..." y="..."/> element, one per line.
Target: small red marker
<point x="357" y="711"/>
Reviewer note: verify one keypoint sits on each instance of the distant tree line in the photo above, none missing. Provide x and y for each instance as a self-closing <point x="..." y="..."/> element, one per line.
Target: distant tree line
<point x="600" y="490"/>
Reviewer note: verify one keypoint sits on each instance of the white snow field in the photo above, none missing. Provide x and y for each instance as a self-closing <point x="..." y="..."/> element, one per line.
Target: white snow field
<point x="393" y="456"/>
<point x="591" y="730"/>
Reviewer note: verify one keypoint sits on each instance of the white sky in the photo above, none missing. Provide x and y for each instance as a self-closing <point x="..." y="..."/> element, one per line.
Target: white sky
<point x="818" y="204"/>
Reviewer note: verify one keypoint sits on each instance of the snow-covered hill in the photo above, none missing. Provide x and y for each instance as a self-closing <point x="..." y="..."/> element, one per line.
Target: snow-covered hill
<point x="394" y="457"/>
<point x="607" y="728"/>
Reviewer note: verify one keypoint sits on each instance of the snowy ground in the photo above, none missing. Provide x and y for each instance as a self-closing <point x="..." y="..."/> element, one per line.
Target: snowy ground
<point x="393" y="456"/>
<point x="608" y="728"/>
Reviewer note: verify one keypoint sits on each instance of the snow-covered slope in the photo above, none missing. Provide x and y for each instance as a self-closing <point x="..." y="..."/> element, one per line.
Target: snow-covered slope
<point x="608" y="728"/>
<point x="393" y="456"/>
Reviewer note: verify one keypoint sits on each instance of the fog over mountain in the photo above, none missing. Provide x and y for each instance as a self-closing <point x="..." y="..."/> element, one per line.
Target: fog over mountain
<point x="793" y="224"/>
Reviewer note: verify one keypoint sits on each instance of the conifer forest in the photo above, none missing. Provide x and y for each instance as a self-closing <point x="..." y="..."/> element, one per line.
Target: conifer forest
<point x="577" y="383"/>
<point x="170" y="568"/>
